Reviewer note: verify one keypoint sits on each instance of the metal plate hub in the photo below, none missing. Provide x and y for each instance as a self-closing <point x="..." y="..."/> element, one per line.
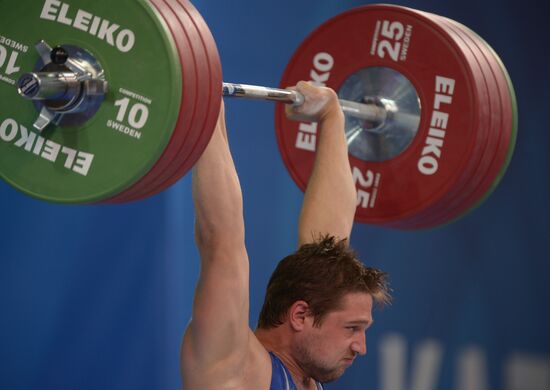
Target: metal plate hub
<point x="389" y="89"/>
<point x="67" y="85"/>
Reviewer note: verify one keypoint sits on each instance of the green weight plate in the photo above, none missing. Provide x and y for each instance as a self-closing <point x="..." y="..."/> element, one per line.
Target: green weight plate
<point x="132" y="127"/>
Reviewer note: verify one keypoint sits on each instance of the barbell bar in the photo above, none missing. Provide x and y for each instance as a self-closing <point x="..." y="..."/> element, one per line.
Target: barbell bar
<point x="369" y="112"/>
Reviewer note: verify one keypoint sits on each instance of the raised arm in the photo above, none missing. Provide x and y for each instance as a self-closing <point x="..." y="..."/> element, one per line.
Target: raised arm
<point x="330" y="198"/>
<point x="219" y="329"/>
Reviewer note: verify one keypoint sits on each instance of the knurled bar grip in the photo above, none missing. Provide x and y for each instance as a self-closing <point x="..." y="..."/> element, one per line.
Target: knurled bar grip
<point x="369" y="112"/>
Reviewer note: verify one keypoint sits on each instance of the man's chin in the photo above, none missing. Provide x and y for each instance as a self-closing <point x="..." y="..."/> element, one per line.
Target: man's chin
<point x="331" y="376"/>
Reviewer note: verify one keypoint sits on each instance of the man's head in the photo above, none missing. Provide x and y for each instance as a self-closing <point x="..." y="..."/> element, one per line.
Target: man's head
<point x="321" y="274"/>
<point x="326" y="296"/>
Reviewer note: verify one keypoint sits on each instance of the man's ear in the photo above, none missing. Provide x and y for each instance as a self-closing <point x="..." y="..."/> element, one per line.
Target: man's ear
<point x="298" y="315"/>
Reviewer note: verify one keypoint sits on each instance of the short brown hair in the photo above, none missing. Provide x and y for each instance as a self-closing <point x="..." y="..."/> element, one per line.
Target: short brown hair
<point x="319" y="273"/>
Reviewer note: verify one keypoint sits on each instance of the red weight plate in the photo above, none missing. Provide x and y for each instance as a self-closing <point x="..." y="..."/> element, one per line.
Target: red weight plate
<point x="503" y="139"/>
<point x="489" y="114"/>
<point x="507" y="94"/>
<point x="353" y="40"/>
<point x="212" y="85"/>
<point x="190" y="112"/>
<point x="509" y="101"/>
<point x="214" y="98"/>
<point x="182" y="165"/>
<point x="485" y="168"/>
<point x="182" y="26"/>
<point x="479" y="159"/>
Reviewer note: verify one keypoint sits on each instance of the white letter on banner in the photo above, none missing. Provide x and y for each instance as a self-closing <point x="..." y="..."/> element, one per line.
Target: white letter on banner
<point x="471" y="370"/>
<point x="425" y="368"/>
<point x="527" y="372"/>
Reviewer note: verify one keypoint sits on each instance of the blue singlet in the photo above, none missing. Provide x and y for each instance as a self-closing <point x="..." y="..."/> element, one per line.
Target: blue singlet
<point x="280" y="377"/>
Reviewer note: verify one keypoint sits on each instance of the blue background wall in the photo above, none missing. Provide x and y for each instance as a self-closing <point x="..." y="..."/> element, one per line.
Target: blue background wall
<point x="96" y="297"/>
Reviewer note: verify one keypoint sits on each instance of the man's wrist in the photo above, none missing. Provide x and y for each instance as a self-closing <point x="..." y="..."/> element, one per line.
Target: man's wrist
<point x="332" y="112"/>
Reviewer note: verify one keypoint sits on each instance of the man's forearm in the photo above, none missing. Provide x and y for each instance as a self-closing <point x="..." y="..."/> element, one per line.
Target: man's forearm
<point x="217" y="193"/>
<point x="330" y="199"/>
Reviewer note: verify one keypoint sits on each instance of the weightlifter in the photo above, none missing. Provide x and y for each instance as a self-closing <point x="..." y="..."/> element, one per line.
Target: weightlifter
<point x="319" y="300"/>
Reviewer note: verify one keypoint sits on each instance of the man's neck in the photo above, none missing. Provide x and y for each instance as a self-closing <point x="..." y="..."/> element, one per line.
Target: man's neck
<point x="279" y="341"/>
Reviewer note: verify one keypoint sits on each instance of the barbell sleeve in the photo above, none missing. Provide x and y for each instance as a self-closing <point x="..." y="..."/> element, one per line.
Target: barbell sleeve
<point x="48" y="85"/>
<point x="368" y="112"/>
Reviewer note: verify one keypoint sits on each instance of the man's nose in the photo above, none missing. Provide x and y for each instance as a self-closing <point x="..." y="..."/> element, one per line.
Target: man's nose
<point x="359" y="345"/>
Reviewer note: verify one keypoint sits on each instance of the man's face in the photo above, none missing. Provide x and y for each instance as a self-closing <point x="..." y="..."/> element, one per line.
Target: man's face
<point x="326" y="351"/>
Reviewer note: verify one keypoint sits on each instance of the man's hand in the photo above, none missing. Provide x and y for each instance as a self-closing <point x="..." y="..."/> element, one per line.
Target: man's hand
<point x="319" y="103"/>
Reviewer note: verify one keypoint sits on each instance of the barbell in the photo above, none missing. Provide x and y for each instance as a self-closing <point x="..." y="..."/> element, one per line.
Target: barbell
<point x="100" y="106"/>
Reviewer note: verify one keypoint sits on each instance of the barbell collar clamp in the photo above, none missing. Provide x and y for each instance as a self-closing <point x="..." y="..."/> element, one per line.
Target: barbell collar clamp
<point x="44" y="51"/>
<point x="47" y="54"/>
<point x="45" y="118"/>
